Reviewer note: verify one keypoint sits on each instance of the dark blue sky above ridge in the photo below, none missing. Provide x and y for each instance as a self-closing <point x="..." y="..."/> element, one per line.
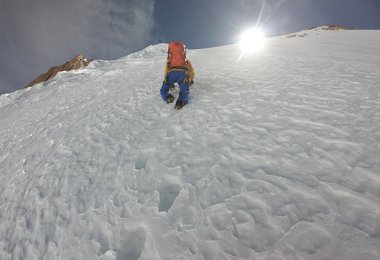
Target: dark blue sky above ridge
<point x="217" y="22"/>
<point x="38" y="34"/>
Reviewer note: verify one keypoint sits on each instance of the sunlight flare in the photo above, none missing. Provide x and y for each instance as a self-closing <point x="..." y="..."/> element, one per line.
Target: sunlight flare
<point x="252" y="40"/>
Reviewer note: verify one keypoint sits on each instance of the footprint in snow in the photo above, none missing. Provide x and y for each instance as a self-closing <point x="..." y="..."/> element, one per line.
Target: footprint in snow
<point x="132" y="245"/>
<point x="142" y="158"/>
<point x="168" y="194"/>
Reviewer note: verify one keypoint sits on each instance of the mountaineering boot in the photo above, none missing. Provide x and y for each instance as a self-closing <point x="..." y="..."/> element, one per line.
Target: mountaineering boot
<point x="179" y="104"/>
<point x="172" y="88"/>
<point x="169" y="99"/>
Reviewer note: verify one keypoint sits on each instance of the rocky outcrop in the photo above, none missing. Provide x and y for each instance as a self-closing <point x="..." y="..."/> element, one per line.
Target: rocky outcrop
<point x="316" y="30"/>
<point x="79" y="61"/>
<point x="333" y="27"/>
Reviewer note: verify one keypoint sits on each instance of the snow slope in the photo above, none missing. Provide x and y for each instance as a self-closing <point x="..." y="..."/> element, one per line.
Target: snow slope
<point x="277" y="156"/>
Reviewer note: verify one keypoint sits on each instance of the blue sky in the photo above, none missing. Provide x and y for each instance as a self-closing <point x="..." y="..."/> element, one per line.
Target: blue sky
<point x="205" y="23"/>
<point x="38" y="34"/>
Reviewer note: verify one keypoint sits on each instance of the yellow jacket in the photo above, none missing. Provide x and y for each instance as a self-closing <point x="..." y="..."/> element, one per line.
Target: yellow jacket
<point x="190" y="70"/>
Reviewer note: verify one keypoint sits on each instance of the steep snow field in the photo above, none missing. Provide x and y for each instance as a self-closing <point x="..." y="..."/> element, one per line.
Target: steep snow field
<point x="277" y="156"/>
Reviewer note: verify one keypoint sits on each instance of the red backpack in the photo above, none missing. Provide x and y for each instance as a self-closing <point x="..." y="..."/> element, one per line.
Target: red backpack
<point x="176" y="54"/>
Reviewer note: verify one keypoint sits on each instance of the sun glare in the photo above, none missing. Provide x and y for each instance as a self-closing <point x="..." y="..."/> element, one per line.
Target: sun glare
<point x="252" y="40"/>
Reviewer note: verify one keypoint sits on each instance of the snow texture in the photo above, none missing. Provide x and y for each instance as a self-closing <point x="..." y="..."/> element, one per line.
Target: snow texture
<point x="276" y="156"/>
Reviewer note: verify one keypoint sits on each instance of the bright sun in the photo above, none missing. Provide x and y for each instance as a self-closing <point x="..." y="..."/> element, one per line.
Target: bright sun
<point x="252" y="40"/>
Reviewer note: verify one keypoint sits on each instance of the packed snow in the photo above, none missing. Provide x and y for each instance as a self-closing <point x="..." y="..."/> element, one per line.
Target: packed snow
<point x="276" y="156"/>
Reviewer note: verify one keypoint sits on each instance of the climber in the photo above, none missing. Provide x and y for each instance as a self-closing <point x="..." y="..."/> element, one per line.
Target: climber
<point x="178" y="70"/>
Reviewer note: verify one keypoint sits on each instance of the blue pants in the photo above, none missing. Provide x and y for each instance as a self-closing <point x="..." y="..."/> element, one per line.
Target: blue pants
<point x="176" y="76"/>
